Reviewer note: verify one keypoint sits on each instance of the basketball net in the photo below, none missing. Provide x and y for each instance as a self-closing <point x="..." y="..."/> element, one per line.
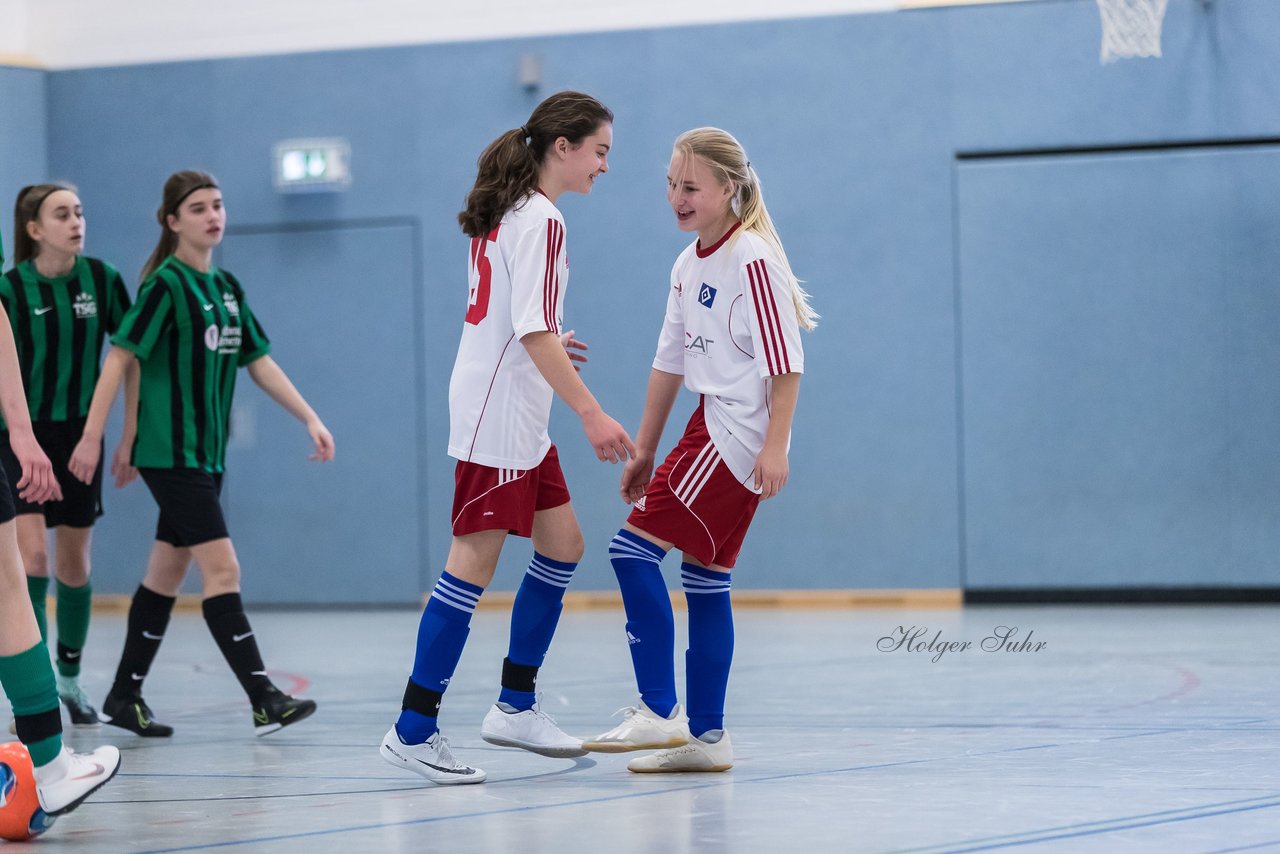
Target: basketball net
<point x="1130" y="28"/>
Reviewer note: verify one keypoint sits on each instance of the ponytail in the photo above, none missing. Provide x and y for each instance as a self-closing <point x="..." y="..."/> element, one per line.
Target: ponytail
<point x="728" y="160"/>
<point x="26" y="209"/>
<point x="508" y="169"/>
<point x="176" y="189"/>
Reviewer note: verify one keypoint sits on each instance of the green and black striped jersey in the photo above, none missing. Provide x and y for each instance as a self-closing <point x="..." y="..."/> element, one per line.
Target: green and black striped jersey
<point x="59" y="325"/>
<point x="190" y="331"/>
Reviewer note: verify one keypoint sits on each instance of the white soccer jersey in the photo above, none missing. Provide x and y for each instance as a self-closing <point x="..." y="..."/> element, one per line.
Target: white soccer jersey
<point x="730" y="328"/>
<point x="499" y="403"/>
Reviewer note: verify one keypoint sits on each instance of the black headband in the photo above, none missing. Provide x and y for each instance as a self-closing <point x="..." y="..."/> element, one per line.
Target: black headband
<point x="179" y="202"/>
<point x="35" y="212"/>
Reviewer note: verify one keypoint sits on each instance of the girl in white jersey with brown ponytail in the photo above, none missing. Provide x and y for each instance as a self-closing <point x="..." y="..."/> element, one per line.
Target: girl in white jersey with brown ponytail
<point x="732" y="334"/>
<point x="513" y="358"/>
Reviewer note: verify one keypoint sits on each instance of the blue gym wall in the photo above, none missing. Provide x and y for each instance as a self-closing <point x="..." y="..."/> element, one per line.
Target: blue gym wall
<point x="24" y="146"/>
<point x="1032" y="371"/>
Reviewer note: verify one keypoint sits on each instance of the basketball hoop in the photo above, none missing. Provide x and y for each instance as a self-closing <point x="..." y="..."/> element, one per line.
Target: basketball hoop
<point x="1130" y="28"/>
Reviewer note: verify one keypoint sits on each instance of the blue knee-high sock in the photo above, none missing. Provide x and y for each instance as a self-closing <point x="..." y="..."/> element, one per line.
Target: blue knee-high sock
<point x="710" y="646"/>
<point x="650" y="625"/>
<point x="442" y="632"/>
<point x="533" y="622"/>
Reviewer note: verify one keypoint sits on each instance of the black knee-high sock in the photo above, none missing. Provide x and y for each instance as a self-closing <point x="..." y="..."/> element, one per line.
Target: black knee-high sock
<point x="230" y="628"/>
<point x="148" y="619"/>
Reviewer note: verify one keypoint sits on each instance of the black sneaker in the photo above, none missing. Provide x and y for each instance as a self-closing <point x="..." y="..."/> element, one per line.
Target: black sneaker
<point x="276" y="709"/>
<point x="133" y="714"/>
<point x="79" y="709"/>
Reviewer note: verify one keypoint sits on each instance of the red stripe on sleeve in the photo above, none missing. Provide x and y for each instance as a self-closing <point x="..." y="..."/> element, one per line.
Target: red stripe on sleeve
<point x="546" y="274"/>
<point x="777" y="321"/>
<point x="760" y="321"/>
<point x="555" y="294"/>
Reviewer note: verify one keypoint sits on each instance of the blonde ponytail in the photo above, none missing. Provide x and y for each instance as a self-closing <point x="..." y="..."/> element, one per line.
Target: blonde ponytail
<point x="727" y="158"/>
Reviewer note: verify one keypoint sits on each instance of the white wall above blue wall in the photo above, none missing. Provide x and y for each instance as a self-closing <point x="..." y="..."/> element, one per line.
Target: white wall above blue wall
<point x="163" y="30"/>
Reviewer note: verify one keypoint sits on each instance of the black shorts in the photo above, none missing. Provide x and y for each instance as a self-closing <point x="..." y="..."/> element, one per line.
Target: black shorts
<point x="6" y="499"/>
<point x="190" y="513"/>
<point x="81" y="503"/>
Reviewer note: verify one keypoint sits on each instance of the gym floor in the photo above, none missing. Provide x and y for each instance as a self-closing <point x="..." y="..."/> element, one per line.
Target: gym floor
<point x="861" y="730"/>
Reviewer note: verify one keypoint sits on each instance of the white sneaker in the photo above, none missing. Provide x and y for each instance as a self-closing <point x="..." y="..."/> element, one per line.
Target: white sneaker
<point x="533" y="730"/>
<point x="64" y="783"/>
<point x="642" y="729"/>
<point x="432" y="759"/>
<point x="697" y="755"/>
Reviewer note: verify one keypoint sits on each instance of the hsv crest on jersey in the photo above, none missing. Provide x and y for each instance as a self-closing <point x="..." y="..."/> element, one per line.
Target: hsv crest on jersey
<point x="707" y="295"/>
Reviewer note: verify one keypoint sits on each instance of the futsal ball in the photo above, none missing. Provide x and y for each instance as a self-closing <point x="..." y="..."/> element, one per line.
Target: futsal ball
<point x="20" y="816"/>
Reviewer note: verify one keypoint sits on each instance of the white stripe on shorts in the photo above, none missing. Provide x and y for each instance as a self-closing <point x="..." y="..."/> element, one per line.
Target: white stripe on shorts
<point x="697" y="475"/>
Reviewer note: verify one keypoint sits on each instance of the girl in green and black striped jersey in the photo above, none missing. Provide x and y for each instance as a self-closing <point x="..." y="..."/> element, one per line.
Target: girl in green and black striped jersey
<point x="61" y="305"/>
<point x="190" y="330"/>
<point x="63" y="779"/>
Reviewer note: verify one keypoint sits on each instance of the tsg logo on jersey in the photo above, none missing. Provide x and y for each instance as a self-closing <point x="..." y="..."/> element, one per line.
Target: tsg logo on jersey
<point x="85" y="306"/>
<point x="706" y="295"/>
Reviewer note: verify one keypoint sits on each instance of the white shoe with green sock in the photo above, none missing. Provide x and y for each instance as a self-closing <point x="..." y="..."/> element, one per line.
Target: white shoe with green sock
<point x="63" y="779"/>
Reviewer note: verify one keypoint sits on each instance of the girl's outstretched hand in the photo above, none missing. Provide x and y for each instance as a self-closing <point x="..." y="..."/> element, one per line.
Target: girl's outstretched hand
<point x="38" y="483"/>
<point x="771" y="472"/>
<point x="84" y="459"/>
<point x="635" y="477"/>
<point x="570" y="344"/>
<point x="323" y="440"/>
<point x="121" y="469"/>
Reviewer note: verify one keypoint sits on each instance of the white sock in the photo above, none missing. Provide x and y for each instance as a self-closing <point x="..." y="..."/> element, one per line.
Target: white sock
<point x="55" y="770"/>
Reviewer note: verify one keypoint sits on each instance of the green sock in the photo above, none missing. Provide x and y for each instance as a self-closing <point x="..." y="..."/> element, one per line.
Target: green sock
<point x="38" y="590"/>
<point x="73" y="626"/>
<point x="28" y="681"/>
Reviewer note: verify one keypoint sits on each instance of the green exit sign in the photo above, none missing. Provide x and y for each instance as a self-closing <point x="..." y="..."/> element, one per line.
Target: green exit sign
<point x="312" y="165"/>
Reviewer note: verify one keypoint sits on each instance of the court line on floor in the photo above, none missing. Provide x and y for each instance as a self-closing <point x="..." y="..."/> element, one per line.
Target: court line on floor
<point x="585" y="802"/>
<point x="1257" y="846"/>
<point x="579" y="764"/>
<point x="1093" y="828"/>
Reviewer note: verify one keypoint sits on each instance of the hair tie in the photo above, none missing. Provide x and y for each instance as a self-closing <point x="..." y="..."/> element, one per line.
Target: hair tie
<point x="524" y="132"/>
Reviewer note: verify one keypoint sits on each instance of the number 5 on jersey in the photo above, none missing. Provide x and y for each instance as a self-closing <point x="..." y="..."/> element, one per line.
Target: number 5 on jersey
<point x="480" y="276"/>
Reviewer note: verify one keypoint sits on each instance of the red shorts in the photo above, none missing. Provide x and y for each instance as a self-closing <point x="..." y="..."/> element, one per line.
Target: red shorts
<point x="487" y="499"/>
<point x="695" y="503"/>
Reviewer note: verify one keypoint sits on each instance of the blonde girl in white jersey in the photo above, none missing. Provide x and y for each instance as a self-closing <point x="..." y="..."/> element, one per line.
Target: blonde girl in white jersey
<point x="732" y="334"/>
<point x="513" y="358"/>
